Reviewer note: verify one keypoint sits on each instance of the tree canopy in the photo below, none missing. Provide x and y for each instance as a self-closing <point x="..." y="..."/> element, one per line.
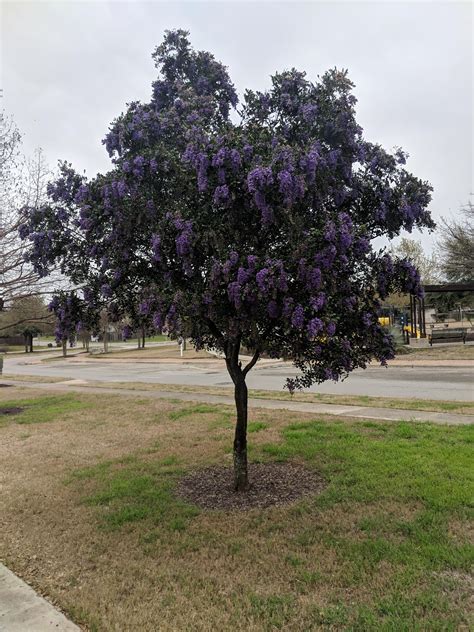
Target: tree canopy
<point x="457" y="246"/>
<point x="252" y="230"/>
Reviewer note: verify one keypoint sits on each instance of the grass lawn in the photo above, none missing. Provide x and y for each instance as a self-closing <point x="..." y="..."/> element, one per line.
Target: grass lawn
<point x="441" y="352"/>
<point x="90" y="518"/>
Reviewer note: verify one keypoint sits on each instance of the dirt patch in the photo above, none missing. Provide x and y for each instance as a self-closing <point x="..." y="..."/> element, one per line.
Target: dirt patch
<point x="271" y="484"/>
<point x="11" y="411"/>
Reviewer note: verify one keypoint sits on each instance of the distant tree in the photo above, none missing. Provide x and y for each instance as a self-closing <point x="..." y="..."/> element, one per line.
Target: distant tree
<point x="68" y="309"/>
<point x="250" y="234"/>
<point x="22" y="183"/>
<point x="27" y="316"/>
<point x="427" y="265"/>
<point x="456" y="246"/>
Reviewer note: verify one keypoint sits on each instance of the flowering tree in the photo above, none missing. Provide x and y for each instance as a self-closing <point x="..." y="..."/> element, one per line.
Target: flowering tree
<point x="67" y="307"/>
<point x="252" y="233"/>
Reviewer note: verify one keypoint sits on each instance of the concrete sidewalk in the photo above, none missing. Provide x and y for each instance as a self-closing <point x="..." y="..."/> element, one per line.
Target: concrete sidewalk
<point x="23" y="610"/>
<point x="358" y="412"/>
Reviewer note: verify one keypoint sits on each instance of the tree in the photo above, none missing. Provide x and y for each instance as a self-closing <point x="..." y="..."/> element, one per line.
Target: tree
<point x="456" y="246"/>
<point x="427" y="265"/>
<point x="68" y="309"/>
<point x="27" y="316"/>
<point x="253" y="234"/>
<point x="22" y="183"/>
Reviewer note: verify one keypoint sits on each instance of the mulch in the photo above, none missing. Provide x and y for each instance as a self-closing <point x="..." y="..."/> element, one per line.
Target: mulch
<point x="14" y="410"/>
<point x="271" y="484"/>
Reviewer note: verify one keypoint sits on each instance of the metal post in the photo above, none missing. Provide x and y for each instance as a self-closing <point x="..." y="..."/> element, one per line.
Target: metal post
<point x="414" y="315"/>
<point x="423" y="312"/>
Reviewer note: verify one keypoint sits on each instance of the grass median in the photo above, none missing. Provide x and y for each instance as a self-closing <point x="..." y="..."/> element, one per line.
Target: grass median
<point x="92" y="518"/>
<point x="429" y="405"/>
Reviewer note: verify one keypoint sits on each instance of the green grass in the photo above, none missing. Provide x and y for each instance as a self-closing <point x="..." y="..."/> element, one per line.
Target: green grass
<point x="194" y="409"/>
<point x="129" y="490"/>
<point x="413" y="464"/>
<point x="256" y="426"/>
<point x="41" y="409"/>
<point x="385" y="546"/>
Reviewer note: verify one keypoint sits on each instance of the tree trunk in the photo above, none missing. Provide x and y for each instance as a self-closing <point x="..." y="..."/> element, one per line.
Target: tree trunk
<point x="31" y="343"/>
<point x="143" y="337"/>
<point x="240" y="437"/>
<point x="64" y="348"/>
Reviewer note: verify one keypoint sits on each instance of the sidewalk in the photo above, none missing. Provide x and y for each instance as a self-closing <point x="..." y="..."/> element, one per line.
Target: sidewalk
<point x="23" y="610"/>
<point x="358" y="412"/>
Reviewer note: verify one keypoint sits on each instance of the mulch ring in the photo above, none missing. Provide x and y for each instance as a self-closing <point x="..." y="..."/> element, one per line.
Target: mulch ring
<point x="271" y="484"/>
<point x="11" y="411"/>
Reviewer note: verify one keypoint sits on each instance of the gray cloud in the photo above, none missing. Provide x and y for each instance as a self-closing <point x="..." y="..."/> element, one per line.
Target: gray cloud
<point x="68" y="68"/>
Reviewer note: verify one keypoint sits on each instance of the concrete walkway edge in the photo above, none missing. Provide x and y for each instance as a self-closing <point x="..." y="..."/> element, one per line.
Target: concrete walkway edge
<point x="23" y="610"/>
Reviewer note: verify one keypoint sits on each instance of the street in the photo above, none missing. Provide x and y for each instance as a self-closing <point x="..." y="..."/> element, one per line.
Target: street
<point x="442" y="383"/>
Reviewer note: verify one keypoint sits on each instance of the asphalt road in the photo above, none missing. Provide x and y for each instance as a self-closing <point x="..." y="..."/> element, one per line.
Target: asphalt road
<point x="451" y="383"/>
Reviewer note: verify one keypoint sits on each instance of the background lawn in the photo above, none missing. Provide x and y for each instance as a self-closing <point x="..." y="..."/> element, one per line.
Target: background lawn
<point x="89" y="517"/>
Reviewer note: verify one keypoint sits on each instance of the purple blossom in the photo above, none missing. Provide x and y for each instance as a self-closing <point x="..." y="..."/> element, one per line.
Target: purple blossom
<point x="262" y="279"/>
<point x="317" y="302"/>
<point x="315" y="325"/>
<point x="297" y="318"/>
<point x="243" y="276"/>
<point x="309" y="111"/>
<point x="286" y="187"/>
<point x="233" y="292"/>
<point x="158" y="321"/>
<point x="221" y="195"/>
<point x="331" y="328"/>
<point x="127" y="332"/>
<point x="235" y="160"/>
<point x="314" y="278"/>
<point x="248" y="152"/>
<point x="259" y="178"/>
<point x="145" y="307"/>
<point x="183" y="243"/>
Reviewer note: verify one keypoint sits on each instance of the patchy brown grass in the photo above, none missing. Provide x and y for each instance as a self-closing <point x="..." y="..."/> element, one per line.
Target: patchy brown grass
<point x="68" y="484"/>
<point x="429" y="405"/>
<point x="442" y="352"/>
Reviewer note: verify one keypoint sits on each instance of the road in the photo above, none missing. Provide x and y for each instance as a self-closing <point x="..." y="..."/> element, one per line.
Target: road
<point x="450" y="383"/>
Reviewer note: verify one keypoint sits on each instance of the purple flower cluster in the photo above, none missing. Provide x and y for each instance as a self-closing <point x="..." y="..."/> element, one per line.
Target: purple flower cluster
<point x="259" y="180"/>
<point x="184" y="239"/>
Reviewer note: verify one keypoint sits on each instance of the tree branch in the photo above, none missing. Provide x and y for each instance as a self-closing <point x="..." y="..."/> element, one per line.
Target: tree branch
<point x="252" y="362"/>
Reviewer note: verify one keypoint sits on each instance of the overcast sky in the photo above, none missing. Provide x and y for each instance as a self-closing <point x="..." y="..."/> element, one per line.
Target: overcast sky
<point x="69" y="68"/>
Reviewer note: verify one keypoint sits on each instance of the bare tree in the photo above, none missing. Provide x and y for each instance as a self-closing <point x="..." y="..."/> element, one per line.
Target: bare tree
<point x="22" y="183"/>
<point x="426" y="264"/>
<point x="456" y="246"/>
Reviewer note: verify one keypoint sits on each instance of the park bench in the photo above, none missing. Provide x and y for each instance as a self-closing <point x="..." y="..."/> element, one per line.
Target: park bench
<point x="447" y="335"/>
